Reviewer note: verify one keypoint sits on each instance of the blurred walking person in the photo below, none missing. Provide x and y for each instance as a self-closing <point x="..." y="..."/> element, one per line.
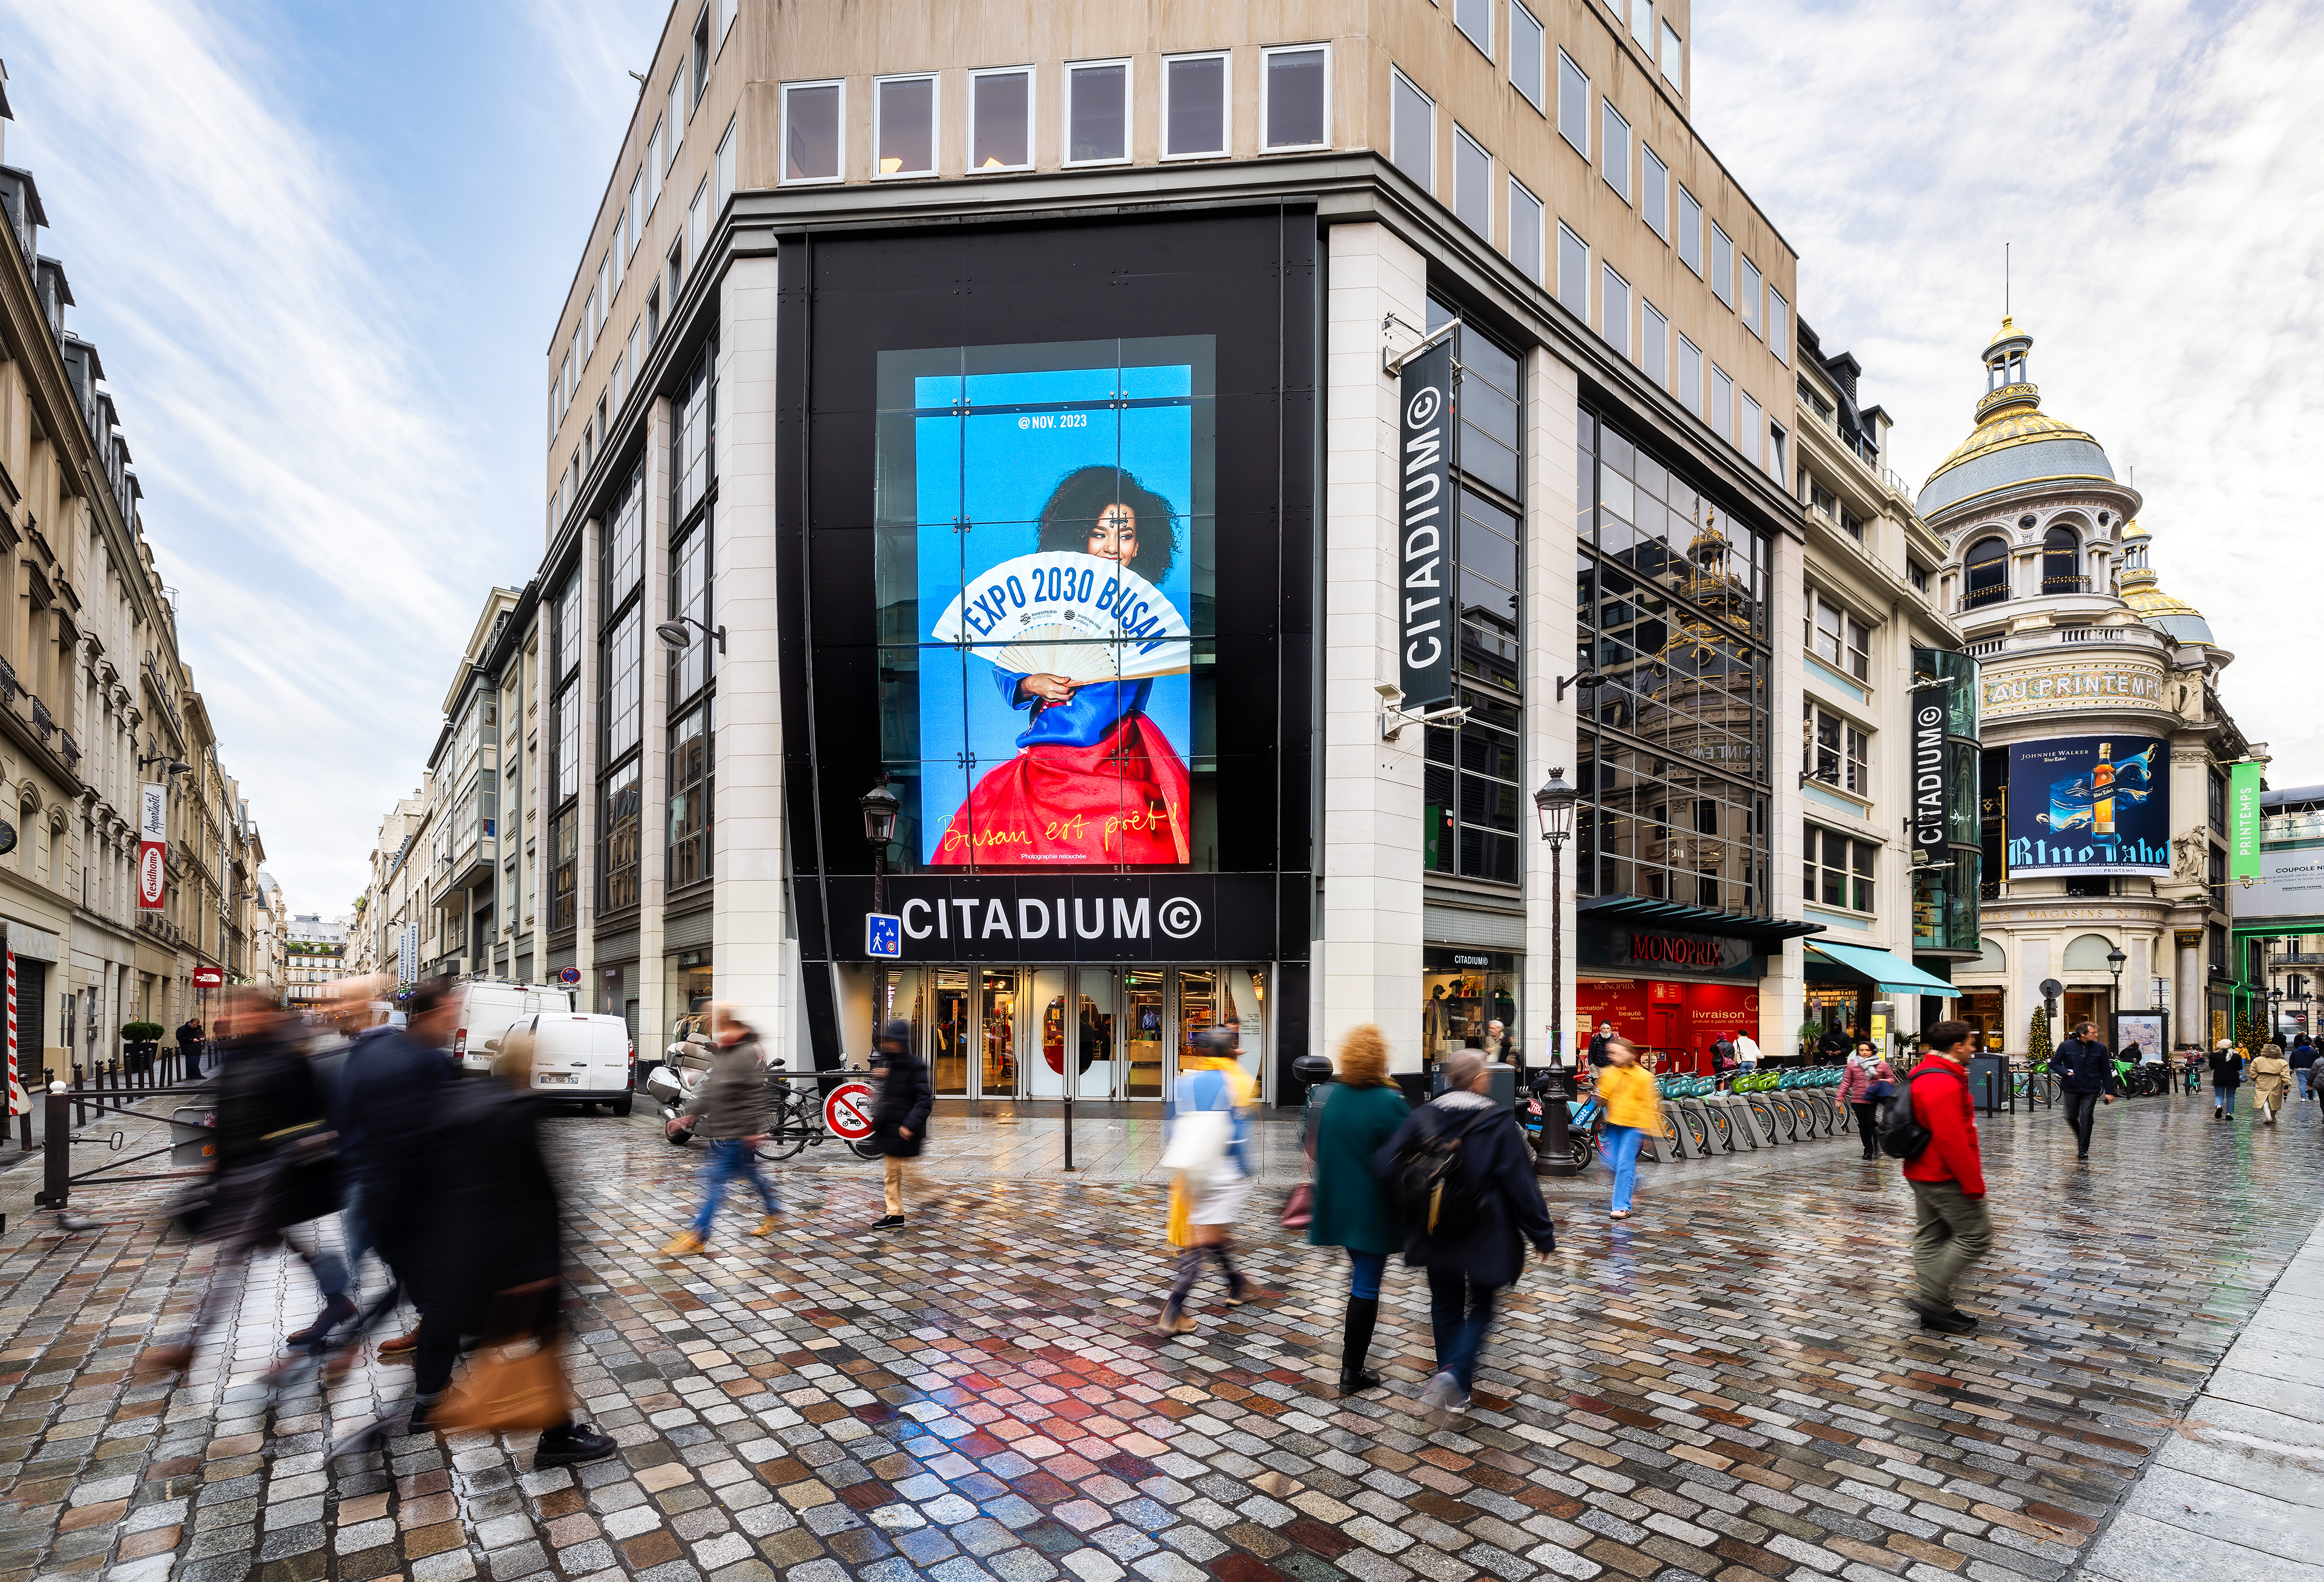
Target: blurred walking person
<point x="497" y="1269"/>
<point x="2303" y="1066"/>
<point x="1209" y="1151"/>
<point x="1870" y="1081"/>
<point x="2226" y="1076"/>
<point x="393" y="1091"/>
<point x="1461" y="1174"/>
<point x="274" y="1164"/>
<point x="1952" y="1228"/>
<point x="1360" y="1113"/>
<point x="899" y="1122"/>
<point x="734" y="1116"/>
<point x="2270" y="1076"/>
<point x="1634" y="1112"/>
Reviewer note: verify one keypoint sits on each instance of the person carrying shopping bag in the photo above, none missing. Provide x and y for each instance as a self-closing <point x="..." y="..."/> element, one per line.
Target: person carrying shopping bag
<point x="1212" y="1163"/>
<point x="2270" y="1076"/>
<point x="734" y="1115"/>
<point x="1633" y="1113"/>
<point x="1351" y="1209"/>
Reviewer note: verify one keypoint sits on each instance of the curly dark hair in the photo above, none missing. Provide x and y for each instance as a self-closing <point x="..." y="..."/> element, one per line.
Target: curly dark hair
<point x="1081" y="496"/>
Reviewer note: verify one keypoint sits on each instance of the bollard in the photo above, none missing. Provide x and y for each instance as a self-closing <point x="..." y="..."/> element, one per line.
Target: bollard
<point x="1073" y="1081"/>
<point x="56" y="1163"/>
<point x="80" y="1106"/>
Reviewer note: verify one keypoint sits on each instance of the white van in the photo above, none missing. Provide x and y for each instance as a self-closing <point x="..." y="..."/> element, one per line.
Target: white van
<point x="587" y="1059"/>
<point x="487" y="1010"/>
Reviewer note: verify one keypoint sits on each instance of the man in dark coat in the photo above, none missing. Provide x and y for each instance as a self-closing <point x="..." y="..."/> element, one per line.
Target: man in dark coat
<point x="392" y="1092"/>
<point x="1598" y="1041"/>
<point x="900" y="1124"/>
<point x="2303" y="1066"/>
<point x="1834" y="1045"/>
<point x="2085" y="1072"/>
<point x="1470" y="1262"/>
<point x="189" y="1046"/>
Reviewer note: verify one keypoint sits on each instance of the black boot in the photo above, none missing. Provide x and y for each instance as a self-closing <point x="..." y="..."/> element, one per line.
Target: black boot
<point x="1356" y="1343"/>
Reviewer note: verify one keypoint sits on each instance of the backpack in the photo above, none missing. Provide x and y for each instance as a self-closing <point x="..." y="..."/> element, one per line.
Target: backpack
<point x="1901" y="1136"/>
<point x="1434" y="1191"/>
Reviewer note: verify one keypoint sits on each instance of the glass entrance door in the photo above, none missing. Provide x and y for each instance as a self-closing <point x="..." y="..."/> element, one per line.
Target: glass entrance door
<point x="998" y="1025"/>
<point x="952" y="1035"/>
<point x="1146" y="1016"/>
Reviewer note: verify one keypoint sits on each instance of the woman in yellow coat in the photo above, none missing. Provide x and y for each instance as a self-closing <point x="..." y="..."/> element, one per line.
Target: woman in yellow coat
<point x="2270" y="1076"/>
<point x="1633" y="1113"/>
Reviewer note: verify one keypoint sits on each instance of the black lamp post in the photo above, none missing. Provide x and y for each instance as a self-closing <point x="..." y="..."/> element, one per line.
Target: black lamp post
<point x="2114" y="960"/>
<point x="880" y="807"/>
<point x="1554" y="804"/>
<point x="2276" y="1017"/>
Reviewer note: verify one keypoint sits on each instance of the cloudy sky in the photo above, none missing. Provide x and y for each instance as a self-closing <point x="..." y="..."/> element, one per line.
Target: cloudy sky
<point x="320" y="247"/>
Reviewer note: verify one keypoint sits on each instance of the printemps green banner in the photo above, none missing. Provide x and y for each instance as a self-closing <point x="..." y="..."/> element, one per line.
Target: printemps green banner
<point x="2243" y="821"/>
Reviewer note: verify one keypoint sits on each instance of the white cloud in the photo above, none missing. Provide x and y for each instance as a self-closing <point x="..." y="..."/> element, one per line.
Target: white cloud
<point x="306" y="486"/>
<point x="2149" y="163"/>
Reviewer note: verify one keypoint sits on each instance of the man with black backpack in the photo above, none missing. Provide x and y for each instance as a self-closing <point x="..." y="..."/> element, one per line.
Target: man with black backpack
<point x="1463" y="1177"/>
<point x="1932" y="1128"/>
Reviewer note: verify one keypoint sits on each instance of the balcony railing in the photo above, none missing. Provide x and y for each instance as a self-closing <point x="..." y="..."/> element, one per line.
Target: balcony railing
<point x="160" y="927"/>
<point x="2065" y="584"/>
<point x="1978" y="597"/>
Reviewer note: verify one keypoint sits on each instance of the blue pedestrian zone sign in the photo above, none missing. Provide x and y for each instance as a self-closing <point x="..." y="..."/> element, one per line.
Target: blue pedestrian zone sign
<point x="883" y="935"/>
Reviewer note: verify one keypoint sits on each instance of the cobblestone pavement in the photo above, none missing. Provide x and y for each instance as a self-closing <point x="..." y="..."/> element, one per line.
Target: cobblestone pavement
<point x="1721" y="1386"/>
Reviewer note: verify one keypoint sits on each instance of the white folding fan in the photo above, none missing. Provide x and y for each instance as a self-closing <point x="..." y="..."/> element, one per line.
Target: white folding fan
<point x="1065" y="613"/>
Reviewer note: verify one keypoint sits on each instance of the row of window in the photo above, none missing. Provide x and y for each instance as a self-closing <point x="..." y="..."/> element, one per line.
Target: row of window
<point x="1528" y="40"/>
<point x="1196" y="91"/>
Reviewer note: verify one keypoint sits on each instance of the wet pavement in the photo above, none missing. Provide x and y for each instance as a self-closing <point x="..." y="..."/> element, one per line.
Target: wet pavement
<point x="1721" y="1386"/>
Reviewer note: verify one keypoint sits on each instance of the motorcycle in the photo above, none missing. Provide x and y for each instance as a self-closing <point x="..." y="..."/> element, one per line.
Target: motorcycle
<point x="671" y="1086"/>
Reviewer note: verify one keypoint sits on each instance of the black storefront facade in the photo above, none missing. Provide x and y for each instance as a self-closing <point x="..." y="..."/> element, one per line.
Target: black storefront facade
<point x="1047" y="514"/>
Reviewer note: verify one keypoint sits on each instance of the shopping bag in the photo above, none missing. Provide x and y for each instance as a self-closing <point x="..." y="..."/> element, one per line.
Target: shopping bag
<point x="1197" y="1138"/>
<point x="1299" y="1211"/>
<point x="508" y="1388"/>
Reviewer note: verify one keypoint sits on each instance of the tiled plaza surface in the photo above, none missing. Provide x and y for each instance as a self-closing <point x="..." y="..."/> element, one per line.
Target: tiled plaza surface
<point x="1720" y="1387"/>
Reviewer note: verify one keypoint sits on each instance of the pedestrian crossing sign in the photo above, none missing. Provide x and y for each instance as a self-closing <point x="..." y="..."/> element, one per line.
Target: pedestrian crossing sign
<point x="883" y="935"/>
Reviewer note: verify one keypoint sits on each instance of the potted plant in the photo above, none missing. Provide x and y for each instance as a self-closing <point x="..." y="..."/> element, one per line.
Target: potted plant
<point x="139" y="1041"/>
<point x="1811" y="1032"/>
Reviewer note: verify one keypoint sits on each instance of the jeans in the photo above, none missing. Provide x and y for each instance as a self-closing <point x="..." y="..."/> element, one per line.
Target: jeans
<point x="2301" y="1076"/>
<point x="1621" y="1144"/>
<point x="1950" y="1231"/>
<point x="2224" y="1099"/>
<point x="1460" y="1313"/>
<point x="1364" y="1272"/>
<point x="2082" y="1110"/>
<point x="1868" y="1126"/>
<point x="731" y="1157"/>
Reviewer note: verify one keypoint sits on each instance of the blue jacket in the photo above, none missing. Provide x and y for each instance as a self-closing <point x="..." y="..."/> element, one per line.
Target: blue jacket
<point x="1095" y="708"/>
<point x="1210" y="1090"/>
<point x="2084" y="1067"/>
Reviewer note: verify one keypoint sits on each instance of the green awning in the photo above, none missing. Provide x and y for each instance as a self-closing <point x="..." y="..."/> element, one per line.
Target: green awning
<point x="1883" y="969"/>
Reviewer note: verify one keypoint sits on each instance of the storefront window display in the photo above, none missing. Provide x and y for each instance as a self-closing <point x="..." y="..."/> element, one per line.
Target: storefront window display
<point x="1677" y="1020"/>
<point x="1461" y="993"/>
<point x="1981" y="1008"/>
<point x="689" y="982"/>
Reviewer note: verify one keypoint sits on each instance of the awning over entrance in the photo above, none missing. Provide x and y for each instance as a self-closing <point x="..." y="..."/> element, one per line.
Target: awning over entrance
<point x="1651" y="911"/>
<point x="1883" y="969"/>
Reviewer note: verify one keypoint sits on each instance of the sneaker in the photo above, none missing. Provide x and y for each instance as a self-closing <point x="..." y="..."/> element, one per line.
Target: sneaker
<point x="889" y="1222"/>
<point x="574" y="1445"/>
<point x="684" y="1244"/>
<point x="1442" y="1401"/>
<point x="402" y="1345"/>
<point x="766" y="1225"/>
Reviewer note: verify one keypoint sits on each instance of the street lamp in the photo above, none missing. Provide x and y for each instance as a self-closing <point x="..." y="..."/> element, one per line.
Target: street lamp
<point x="880" y="807"/>
<point x="677" y="639"/>
<point x="2276" y="1017"/>
<point x="1554" y="804"/>
<point x="2115" y="958"/>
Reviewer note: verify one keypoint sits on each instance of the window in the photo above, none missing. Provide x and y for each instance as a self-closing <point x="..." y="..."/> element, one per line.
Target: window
<point x="1838" y="637"/>
<point x="1614" y="310"/>
<point x="1642" y="25"/>
<point x="1747" y="434"/>
<point x="1474" y="18"/>
<point x="1917" y="575"/>
<point x="1837" y="871"/>
<point x="1573" y="104"/>
<point x="1779" y="326"/>
<point x="691" y="668"/>
<point x="1525" y="231"/>
<point x="727" y="11"/>
<point x="676" y="120"/>
<point x="811" y="122"/>
<point x="1097" y="113"/>
<point x="656" y="163"/>
<point x="691" y="756"/>
<point x="2061" y="562"/>
<point x="693" y="445"/>
<point x="1779" y="451"/>
<point x="697" y="221"/>
<point x="2217" y="788"/>
<point x="637" y="210"/>
<point x="723" y="167"/>
<point x="1653" y="343"/>
<point x="617" y="839"/>
<point x="1987" y="564"/>
<point x="1722" y="403"/>
<point x="1673" y="61"/>
<point x="904" y="126"/>
<point x="1573" y="274"/>
<point x="1614" y="148"/>
<point x="1295" y="94"/>
<point x="1653" y="191"/>
<point x="701" y="55"/>
<point x="1690" y="231"/>
<point x="1836" y="753"/>
<point x="1411" y="131"/>
<point x="1472" y="184"/>
<point x="1194" y="106"/>
<point x="1690" y="376"/>
<point x="1723" y="265"/>
<point x="1001" y="120"/>
<point x="1752" y="286"/>
<point x="1525" y="53"/>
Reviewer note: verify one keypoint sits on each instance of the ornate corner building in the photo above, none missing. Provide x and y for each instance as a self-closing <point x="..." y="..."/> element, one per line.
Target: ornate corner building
<point x="2103" y="790"/>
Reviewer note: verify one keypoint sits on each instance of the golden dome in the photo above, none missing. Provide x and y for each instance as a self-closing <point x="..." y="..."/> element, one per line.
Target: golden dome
<point x="2015" y="442"/>
<point x="2003" y="429"/>
<point x="2142" y="592"/>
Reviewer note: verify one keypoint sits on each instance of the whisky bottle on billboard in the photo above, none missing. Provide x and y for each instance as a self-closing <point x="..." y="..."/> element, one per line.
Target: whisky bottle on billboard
<point x="2102" y="792"/>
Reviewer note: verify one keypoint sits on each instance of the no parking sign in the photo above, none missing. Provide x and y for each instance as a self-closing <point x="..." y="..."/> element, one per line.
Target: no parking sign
<point x="847" y="1111"/>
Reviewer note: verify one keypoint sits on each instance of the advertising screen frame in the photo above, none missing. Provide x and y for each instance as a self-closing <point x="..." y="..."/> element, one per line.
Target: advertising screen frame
<point x="2053" y="779"/>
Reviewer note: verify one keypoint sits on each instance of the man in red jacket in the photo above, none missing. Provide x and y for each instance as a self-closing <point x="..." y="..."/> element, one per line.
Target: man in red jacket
<point x="1952" y="1229"/>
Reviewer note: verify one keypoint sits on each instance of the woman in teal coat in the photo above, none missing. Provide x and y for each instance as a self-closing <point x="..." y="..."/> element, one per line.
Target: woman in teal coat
<point x="1352" y="1206"/>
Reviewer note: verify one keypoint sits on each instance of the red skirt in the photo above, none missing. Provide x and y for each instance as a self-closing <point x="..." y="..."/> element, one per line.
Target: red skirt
<point x="1123" y="799"/>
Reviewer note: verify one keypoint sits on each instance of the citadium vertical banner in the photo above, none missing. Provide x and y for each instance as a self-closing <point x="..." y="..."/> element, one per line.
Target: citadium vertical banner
<point x="2089" y="804"/>
<point x="1425" y="622"/>
<point x="1931" y="778"/>
<point x="152" y="845"/>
